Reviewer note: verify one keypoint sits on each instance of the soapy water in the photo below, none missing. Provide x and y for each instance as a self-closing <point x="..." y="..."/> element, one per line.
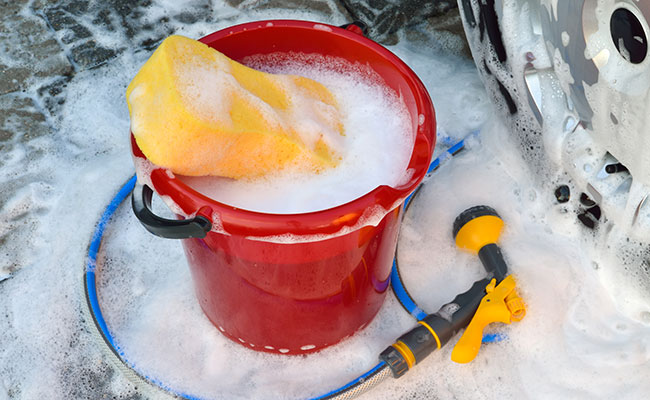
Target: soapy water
<point x="574" y="343"/>
<point x="212" y="89"/>
<point x="375" y="149"/>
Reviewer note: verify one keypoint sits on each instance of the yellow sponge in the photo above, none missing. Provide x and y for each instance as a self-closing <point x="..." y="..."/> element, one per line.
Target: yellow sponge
<point x="197" y="112"/>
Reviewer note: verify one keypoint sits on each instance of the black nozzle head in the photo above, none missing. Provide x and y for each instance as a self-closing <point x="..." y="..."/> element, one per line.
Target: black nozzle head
<point x="470" y="214"/>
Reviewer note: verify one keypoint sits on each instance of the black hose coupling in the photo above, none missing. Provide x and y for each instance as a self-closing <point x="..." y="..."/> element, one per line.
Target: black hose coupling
<point x="433" y="331"/>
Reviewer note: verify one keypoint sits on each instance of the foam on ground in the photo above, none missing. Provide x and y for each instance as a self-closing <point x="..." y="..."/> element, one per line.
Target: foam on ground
<point x="575" y="342"/>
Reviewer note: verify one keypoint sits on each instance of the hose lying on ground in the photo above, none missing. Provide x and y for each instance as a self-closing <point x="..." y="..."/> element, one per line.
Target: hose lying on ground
<point x="149" y="385"/>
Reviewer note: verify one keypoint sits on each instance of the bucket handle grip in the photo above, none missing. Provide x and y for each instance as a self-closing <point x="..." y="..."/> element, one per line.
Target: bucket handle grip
<point x="197" y="227"/>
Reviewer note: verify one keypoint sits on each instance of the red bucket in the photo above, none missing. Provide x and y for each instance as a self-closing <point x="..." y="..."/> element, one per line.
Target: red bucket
<point x="296" y="296"/>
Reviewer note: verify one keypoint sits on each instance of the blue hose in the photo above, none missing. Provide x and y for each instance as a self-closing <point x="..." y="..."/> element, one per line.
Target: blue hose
<point x="93" y="303"/>
<point x="399" y="289"/>
<point x="403" y="296"/>
<point x="95" y="243"/>
<point x="96" y="312"/>
<point x="91" y="287"/>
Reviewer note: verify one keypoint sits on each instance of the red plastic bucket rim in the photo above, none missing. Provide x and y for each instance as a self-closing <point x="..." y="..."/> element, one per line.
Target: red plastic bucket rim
<point x="234" y="220"/>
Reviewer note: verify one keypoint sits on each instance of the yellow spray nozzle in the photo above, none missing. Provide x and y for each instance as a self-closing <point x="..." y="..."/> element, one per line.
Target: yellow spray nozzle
<point x="477" y="227"/>
<point x="500" y="304"/>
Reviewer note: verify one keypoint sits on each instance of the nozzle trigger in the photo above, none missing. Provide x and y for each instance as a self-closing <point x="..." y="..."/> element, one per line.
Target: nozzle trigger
<point x="500" y="304"/>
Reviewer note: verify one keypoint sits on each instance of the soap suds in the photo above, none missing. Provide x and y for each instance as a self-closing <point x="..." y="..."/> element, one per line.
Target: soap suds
<point x="584" y="337"/>
<point x="376" y="147"/>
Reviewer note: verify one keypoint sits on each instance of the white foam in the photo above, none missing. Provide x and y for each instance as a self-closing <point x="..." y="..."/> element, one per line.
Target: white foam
<point x="371" y="216"/>
<point x="585" y="336"/>
<point x="376" y="147"/>
<point x="143" y="169"/>
<point x="573" y="341"/>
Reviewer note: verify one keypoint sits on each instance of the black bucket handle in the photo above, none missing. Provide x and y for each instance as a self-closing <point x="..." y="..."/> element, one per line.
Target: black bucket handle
<point x="197" y="227"/>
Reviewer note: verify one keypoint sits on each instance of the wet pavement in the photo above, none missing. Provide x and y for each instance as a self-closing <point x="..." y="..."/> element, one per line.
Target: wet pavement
<point x="45" y="44"/>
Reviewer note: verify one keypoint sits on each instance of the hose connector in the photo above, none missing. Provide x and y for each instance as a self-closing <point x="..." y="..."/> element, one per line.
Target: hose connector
<point x="433" y="331"/>
<point x="412" y="347"/>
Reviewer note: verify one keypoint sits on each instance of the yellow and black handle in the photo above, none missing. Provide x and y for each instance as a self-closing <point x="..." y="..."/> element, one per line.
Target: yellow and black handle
<point x="477" y="230"/>
<point x="493" y="299"/>
<point x="434" y="330"/>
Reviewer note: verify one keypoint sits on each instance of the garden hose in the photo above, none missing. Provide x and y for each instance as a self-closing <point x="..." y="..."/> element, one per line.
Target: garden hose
<point x="431" y="333"/>
<point x="492" y="299"/>
<point x="144" y="383"/>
